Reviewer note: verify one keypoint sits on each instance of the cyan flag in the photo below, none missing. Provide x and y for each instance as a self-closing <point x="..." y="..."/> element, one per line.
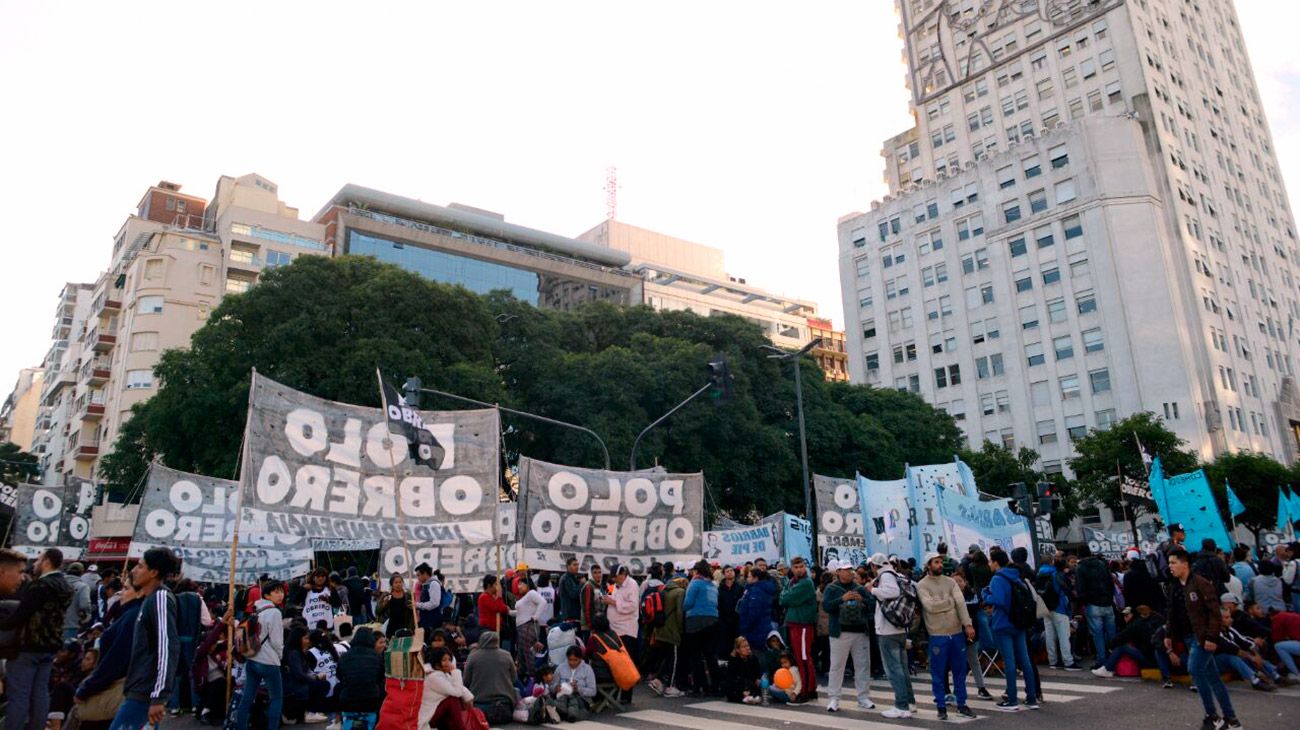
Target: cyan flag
<point x="1235" y="507"/>
<point x="1294" y="503"/>
<point x="1283" y="511"/>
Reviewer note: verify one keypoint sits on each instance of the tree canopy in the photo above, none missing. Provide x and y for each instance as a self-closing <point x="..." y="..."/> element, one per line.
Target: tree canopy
<point x="322" y="326"/>
<point x="17" y="465"/>
<point x="1102" y="454"/>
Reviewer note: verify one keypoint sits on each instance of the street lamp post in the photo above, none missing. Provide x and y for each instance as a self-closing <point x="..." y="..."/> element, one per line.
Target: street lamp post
<point x="780" y="354"/>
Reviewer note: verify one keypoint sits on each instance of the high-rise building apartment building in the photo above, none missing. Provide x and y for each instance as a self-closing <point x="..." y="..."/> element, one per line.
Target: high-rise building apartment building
<point x="56" y="438"/>
<point x="1086" y="221"/>
<point x="831" y="353"/>
<point x="18" y="412"/>
<point x="681" y="274"/>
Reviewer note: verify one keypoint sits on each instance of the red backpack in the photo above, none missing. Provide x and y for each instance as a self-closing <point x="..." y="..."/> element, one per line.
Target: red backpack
<point x="652" y="608"/>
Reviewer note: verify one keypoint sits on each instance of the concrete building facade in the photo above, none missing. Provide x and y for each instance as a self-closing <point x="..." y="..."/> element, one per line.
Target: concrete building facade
<point x="831" y="353"/>
<point x="1087" y="221"/>
<point x="56" y="439"/>
<point x="18" y="412"/>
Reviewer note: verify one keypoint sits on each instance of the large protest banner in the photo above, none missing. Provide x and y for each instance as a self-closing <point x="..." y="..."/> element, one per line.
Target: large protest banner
<point x="608" y="517"/>
<point x="886" y="516"/>
<point x="741" y="545"/>
<point x="969" y="521"/>
<point x="38" y="521"/>
<point x="196" y="516"/>
<point x="78" y="500"/>
<point x="1186" y="499"/>
<point x="954" y="475"/>
<point x="8" y="497"/>
<point x="839" y="530"/>
<point x="320" y="469"/>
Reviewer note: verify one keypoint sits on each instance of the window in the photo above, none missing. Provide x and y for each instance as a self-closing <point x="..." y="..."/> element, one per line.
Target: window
<point x="1075" y="427"/>
<point x="1069" y="386"/>
<point x="1100" y="380"/>
<point x="1032" y="167"/>
<point x="1059" y="156"/>
<point x="986" y="404"/>
<point x="144" y="341"/>
<point x="1011" y="211"/>
<point x="865" y="300"/>
<point x="1024" y="284"/>
<point x="1086" y="302"/>
<point x="932" y="275"/>
<point x="1092" y="341"/>
<point x="1105" y="419"/>
<point x="207" y="274"/>
<point x="1107" y="59"/>
<point x="1006" y="177"/>
<point x="869" y="329"/>
<point x="1043" y="236"/>
<point x="986" y="294"/>
<point x="153" y="269"/>
<point x="1088" y="68"/>
<point x="990" y="366"/>
<point x="954" y="374"/>
<point x="1070" y="76"/>
<point x="1064" y="192"/>
<point x="1038" y="201"/>
<point x="864" y="267"/>
<point x="277" y="258"/>
<point x="970" y="227"/>
<point x="139" y="379"/>
<point x="941" y="377"/>
<point x="1034" y="354"/>
<point x="1064" y="347"/>
<point x="1051" y="275"/>
<point x="149" y="305"/>
<point x="1040" y="394"/>
<point x="1046" y="431"/>
<point x="1073" y="226"/>
<point x="1016" y="246"/>
<point x="1029" y="317"/>
<point x="1056" y="311"/>
<point x="1044" y="87"/>
<point x="873" y="361"/>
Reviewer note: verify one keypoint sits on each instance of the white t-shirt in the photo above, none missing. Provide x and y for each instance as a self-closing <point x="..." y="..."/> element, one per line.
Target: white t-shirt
<point x="529" y="607"/>
<point x="548" y="611"/>
<point x="316" y="608"/>
<point x="326" y="665"/>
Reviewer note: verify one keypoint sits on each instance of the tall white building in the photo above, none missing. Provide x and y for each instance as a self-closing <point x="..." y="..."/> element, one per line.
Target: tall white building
<point x="1087" y="221"/>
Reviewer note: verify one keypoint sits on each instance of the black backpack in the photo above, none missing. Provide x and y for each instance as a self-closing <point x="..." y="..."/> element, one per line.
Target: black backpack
<point x="1046" y="587"/>
<point x="1024" y="610"/>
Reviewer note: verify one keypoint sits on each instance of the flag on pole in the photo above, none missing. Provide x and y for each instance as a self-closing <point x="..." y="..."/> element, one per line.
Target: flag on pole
<point x="1146" y="458"/>
<point x="1294" y="503"/>
<point x="1283" y="511"/>
<point x="407" y="423"/>
<point x="1235" y="507"/>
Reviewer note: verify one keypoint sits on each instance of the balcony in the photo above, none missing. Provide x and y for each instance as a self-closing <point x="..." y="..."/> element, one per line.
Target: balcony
<point x="54" y="382"/>
<point x="86" y="451"/>
<point x="101" y="341"/>
<point x="242" y="260"/>
<point x="90" y="406"/>
<point x="104" y="303"/>
<point x="95" y="372"/>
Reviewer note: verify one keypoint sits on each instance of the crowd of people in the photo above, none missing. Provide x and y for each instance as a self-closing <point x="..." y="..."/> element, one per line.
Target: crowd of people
<point x="91" y="648"/>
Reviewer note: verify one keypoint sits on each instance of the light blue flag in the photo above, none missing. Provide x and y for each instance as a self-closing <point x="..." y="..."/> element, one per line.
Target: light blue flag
<point x="1188" y="501"/>
<point x="1294" y="503"/>
<point x="1156" y="481"/>
<point x="1235" y="507"/>
<point x="1283" y="511"/>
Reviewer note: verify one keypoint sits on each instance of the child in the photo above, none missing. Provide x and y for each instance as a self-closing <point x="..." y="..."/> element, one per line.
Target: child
<point x="741" y="679"/>
<point x="537" y="705"/>
<point x="783" y="696"/>
<point x="574" y="686"/>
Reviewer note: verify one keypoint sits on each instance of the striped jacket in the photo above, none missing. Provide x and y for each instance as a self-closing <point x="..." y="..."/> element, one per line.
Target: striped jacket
<point x="154" y="650"/>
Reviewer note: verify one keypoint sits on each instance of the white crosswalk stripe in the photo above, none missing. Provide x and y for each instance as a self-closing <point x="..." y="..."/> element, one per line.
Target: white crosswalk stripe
<point x="821" y="718"/>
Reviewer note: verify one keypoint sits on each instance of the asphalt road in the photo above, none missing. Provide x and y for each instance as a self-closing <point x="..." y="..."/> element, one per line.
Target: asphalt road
<point x="1073" y="701"/>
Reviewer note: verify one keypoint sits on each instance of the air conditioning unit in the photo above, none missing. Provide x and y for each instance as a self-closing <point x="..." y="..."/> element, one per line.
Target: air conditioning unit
<point x="970" y="164"/>
<point x="943" y="175"/>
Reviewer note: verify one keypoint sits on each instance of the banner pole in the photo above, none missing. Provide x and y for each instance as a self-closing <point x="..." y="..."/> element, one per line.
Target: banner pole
<point x="401" y="516"/>
<point x="1123" y="503"/>
<point x="234" y="542"/>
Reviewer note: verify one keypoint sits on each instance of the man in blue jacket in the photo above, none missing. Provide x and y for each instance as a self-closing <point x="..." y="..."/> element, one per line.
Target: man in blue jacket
<point x="1011" y="640"/>
<point x="155" y="648"/>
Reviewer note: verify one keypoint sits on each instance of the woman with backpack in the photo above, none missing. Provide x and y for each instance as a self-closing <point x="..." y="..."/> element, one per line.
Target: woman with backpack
<point x="1051" y="587"/>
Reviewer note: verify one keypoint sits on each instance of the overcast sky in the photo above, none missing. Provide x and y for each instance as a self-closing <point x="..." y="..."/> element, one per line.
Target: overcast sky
<point x="750" y="126"/>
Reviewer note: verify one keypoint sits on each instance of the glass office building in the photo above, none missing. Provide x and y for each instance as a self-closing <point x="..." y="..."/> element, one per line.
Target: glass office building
<point x="474" y="274"/>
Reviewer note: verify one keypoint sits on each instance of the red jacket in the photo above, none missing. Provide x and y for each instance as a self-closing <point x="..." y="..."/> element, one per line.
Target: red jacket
<point x="491" y="612"/>
<point x="1286" y="626"/>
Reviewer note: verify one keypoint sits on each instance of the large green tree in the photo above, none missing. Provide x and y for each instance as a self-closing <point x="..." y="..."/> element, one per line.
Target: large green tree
<point x="322" y="325"/>
<point x="1255" y="479"/>
<point x="17" y="465"/>
<point x="1101" y="454"/>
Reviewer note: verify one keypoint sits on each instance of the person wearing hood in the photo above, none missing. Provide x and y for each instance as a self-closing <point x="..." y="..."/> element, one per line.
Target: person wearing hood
<point x="1056" y="625"/>
<point x="1135" y="641"/>
<point x="80" y="608"/>
<point x="38" y="621"/>
<point x="668" y="639"/>
<point x="1266" y="588"/>
<point x="730" y="590"/>
<point x="1140" y="587"/>
<point x="263" y="668"/>
<point x="754" y="612"/>
<point x="1010" y="640"/>
<point x="490" y="678"/>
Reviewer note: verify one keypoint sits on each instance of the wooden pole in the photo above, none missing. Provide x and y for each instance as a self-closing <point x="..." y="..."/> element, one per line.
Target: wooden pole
<point x="401" y="517"/>
<point x="234" y="543"/>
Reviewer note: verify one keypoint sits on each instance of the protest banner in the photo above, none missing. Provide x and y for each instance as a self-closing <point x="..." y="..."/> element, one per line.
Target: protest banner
<point x="741" y="545"/>
<point x="38" y="521"/>
<point x="195" y="516"/>
<point x="797" y="542"/>
<point x="955" y="475"/>
<point x="1045" y="533"/>
<point x="8" y="497"/>
<point x="317" y="469"/>
<point x="74" y="532"/>
<point x="839" y="532"/>
<point x="886" y="516"/>
<point x="1137" y="493"/>
<point x="970" y="521"/>
<point x="609" y="517"/>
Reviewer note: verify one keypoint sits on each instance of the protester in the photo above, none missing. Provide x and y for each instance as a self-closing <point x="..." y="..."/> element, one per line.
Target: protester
<point x="38" y="621"/>
<point x="1194" y="616"/>
<point x="304" y="690"/>
<point x="800" y="603"/>
<point x="395" y="607"/>
<point x="1285" y="634"/>
<point x="575" y="686"/>
<point x="593" y="591"/>
<point x="1236" y="653"/>
<point x="783" y="695"/>
<point x="528" y="607"/>
<point x="1140" y="587"/>
<point x="974" y="610"/>
<point x="569" y="593"/>
<point x="429" y="603"/>
<point x="741" y="681"/>
<point x="490" y="677"/>
<point x="547" y="592"/>
<point x="319" y="601"/>
<point x="361" y="676"/>
<point x="267" y="653"/>
<point x="101" y="691"/>
<point x="1056" y="625"/>
<point x="624" y="613"/>
<point x="1135" y="641"/>
<point x="730" y="591"/>
<point x="189" y="629"/>
<point x="1266" y="588"/>
<point x="754" y="612"/>
<point x="81" y="607"/>
<point x="667" y="640"/>
<point x="700" y="608"/>
<point x="492" y="608"/>
<point x="154" y="647"/>
<point x="889" y="587"/>
<point x="1096" y="592"/>
<point x="1001" y="597"/>
<point x="847" y="605"/>
<point x="358" y="596"/>
<point x="944" y="609"/>
<point x="446" y="698"/>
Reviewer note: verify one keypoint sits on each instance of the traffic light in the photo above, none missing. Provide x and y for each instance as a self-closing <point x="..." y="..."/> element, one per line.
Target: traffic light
<point x="1013" y="504"/>
<point x="719" y="377"/>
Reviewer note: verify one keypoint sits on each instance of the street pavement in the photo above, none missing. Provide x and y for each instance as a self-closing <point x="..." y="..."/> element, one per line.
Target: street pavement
<point x="1073" y="701"/>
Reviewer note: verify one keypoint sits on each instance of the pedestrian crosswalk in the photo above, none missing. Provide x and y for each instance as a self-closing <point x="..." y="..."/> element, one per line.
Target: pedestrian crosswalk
<point x="652" y="713"/>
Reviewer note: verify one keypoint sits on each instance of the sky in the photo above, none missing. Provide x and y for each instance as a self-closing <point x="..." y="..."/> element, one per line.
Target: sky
<point x="740" y="125"/>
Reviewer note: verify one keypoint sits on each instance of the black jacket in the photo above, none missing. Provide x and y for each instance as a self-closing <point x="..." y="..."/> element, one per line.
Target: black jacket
<point x="38" y="618"/>
<point x="1095" y="585"/>
<point x="568" y="599"/>
<point x="361" y="678"/>
<point x="1142" y="589"/>
<point x="1210" y="566"/>
<point x="189" y="616"/>
<point x="1139" y="632"/>
<point x="155" y="650"/>
<point x="114" y="652"/>
<point x="741" y="676"/>
<point x="728" y="599"/>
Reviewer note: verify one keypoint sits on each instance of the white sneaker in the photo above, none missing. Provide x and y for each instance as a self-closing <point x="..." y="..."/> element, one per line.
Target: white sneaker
<point x="334" y="726"/>
<point x="866" y="704"/>
<point x="1102" y="672"/>
<point x="833" y="705"/>
<point x="673" y="692"/>
<point x="752" y="700"/>
<point x="656" y="686"/>
<point x="313" y="718"/>
<point x="894" y="713"/>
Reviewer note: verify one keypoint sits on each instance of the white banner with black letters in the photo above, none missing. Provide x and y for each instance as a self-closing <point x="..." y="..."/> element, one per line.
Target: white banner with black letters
<point x="195" y="516"/>
<point x="609" y="517"/>
<point x="320" y="469"/>
<point x="78" y="499"/>
<point x="839" y="531"/>
<point x="38" y="522"/>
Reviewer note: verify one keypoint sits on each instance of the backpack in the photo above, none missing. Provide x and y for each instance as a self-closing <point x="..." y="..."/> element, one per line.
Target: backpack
<point x="621" y="667"/>
<point x="447" y="599"/>
<point x="248" y="634"/>
<point x="902" y="611"/>
<point x="1024" y="611"/>
<point x="652" y="608"/>
<point x="1045" y="585"/>
<point x="853" y="614"/>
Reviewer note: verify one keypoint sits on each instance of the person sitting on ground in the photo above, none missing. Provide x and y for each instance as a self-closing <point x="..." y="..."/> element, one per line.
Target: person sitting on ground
<point x="574" y="686"/>
<point x="773" y="693"/>
<point x="1243" y="619"/>
<point x="361" y="676"/>
<point x="1286" y="640"/>
<point x="1133" y="641"/>
<point x="1236" y="653"/>
<point x="304" y="691"/>
<point x="742" y="678"/>
<point x="1266" y="588"/>
<point x="490" y="677"/>
<point x="445" y="695"/>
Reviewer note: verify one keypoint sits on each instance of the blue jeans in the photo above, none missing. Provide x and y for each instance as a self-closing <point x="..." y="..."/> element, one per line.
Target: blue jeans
<point x="1015" y="653"/>
<point x="1166" y="667"/>
<point x="948" y="654"/>
<point x="1133" y="653"/>
<point x="1243" y="668"/>
<point x="1205" y="673"/>
<point x="893" y="654"/>
<point x="131" y="715"/>
<point x="184" y="676"/>
<point x="256" y="675"/>
<point x="1101" y="624"/>
<point x="1287" y="651"/>
<point x="27" y="685"/>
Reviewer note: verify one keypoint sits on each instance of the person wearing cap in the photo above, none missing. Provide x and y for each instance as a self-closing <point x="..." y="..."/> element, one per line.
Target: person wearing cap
<point x="892" y="639"/>
<point x="946" y="619"/>
<point x="846" y="603"/>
